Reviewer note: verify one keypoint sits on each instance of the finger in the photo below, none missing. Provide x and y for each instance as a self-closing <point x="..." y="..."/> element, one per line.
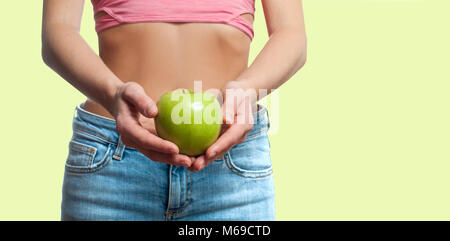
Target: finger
<point x="136" y="95"/>
<point x="171" y="159"/>
<point x="218" y="155"/>
<point x="193" y="159"/>
<point x="129" y="142"/>
<point x="223" y="129"/>
<point x="198" y="164"/>
<point x="228" y="139"/>
<point x="244" y="112"/>
<point x="228" y="109"/>
<point x="242" y="138"/>
<point x="131" y="129"/>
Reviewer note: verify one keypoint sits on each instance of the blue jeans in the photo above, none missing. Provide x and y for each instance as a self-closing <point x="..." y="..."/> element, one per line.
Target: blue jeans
<point x="106" y="180"/>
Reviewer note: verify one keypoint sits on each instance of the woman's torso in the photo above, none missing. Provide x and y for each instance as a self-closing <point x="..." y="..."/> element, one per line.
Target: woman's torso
<point x="165" y="56"/>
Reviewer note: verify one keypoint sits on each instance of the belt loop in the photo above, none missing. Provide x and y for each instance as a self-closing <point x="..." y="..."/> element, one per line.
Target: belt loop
<point x="267" y="115"/>
<point x="119" y="150"/>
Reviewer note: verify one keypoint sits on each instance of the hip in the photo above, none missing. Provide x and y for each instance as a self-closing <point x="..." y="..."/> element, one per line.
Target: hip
<point x="104" y="179"/>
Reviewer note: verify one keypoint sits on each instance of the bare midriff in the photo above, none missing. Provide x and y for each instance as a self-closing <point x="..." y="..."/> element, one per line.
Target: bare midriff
<point x="165" y="56"/>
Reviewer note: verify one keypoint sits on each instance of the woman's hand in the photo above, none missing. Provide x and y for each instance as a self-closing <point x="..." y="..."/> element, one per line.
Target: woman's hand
<point x="237" y="121"/>
<point x="130" y="101"/>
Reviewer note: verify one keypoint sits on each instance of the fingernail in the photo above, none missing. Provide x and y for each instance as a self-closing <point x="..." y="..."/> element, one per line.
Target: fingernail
<point x="173" y="150"/>
<point x="230" y="119"/>
<point x="151" y="111"/>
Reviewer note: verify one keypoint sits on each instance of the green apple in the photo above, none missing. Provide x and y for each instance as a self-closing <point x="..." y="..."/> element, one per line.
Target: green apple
<point x="190" y="120"/>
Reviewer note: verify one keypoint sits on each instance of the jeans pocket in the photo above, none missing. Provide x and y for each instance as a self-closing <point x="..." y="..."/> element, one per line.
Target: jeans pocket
<point x="252" y="157"/>
<point x="87" y="157"/>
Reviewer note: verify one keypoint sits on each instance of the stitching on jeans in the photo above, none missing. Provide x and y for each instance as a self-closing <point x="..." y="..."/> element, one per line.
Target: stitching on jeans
<point x="256" y="134"/>
<point x="185" y="199"/>
<point x="255" y="174"/>
<point x="170" y="187"/>
<point x="174" y="213"/>
<point x="99" y="166"/>
<point x="189" y="200"/>
<point x="188" y="197"/>
<point x="118" y="152"/>
<point x="184" y="209"/>
<point x="83" y="148"/>
<point x="94" y="166"/>
<point x="246" y="171"/>
<point x="82" y="132"/>
<point x="79" y="131"/>
<point x="184" y="202"/>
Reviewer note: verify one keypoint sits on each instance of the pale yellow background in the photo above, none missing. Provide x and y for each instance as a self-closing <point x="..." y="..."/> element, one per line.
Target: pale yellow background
<point x="364" y="127"/>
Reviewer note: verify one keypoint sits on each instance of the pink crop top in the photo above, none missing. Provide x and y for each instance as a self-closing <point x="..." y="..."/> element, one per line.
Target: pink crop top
<point x="210" y="11"/>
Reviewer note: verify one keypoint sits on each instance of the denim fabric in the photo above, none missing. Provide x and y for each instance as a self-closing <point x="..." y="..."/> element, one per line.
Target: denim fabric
<point x="106" y="180"/>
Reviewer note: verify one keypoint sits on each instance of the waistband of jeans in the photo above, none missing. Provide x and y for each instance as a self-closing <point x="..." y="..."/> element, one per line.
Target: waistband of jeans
<point x="260" y="117"/>
<point x="92" y="118"/>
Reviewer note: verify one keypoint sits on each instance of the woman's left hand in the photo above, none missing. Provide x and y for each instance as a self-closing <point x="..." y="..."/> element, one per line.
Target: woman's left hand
<point x="237" y="121"/>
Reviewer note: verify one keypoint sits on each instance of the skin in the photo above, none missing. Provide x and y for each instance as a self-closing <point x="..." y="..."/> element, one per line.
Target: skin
<point x="139" y="62"/>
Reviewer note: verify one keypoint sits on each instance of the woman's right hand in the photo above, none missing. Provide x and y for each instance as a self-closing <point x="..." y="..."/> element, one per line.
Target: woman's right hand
<point x="131" y="100"/>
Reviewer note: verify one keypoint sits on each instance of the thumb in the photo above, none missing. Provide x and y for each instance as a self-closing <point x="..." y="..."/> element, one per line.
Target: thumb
<point x="135" y="94"/>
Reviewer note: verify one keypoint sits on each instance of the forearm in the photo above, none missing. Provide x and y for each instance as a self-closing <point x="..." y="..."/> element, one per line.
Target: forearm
<point x="282" y="56"/>
<point x="66" y="52"/>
